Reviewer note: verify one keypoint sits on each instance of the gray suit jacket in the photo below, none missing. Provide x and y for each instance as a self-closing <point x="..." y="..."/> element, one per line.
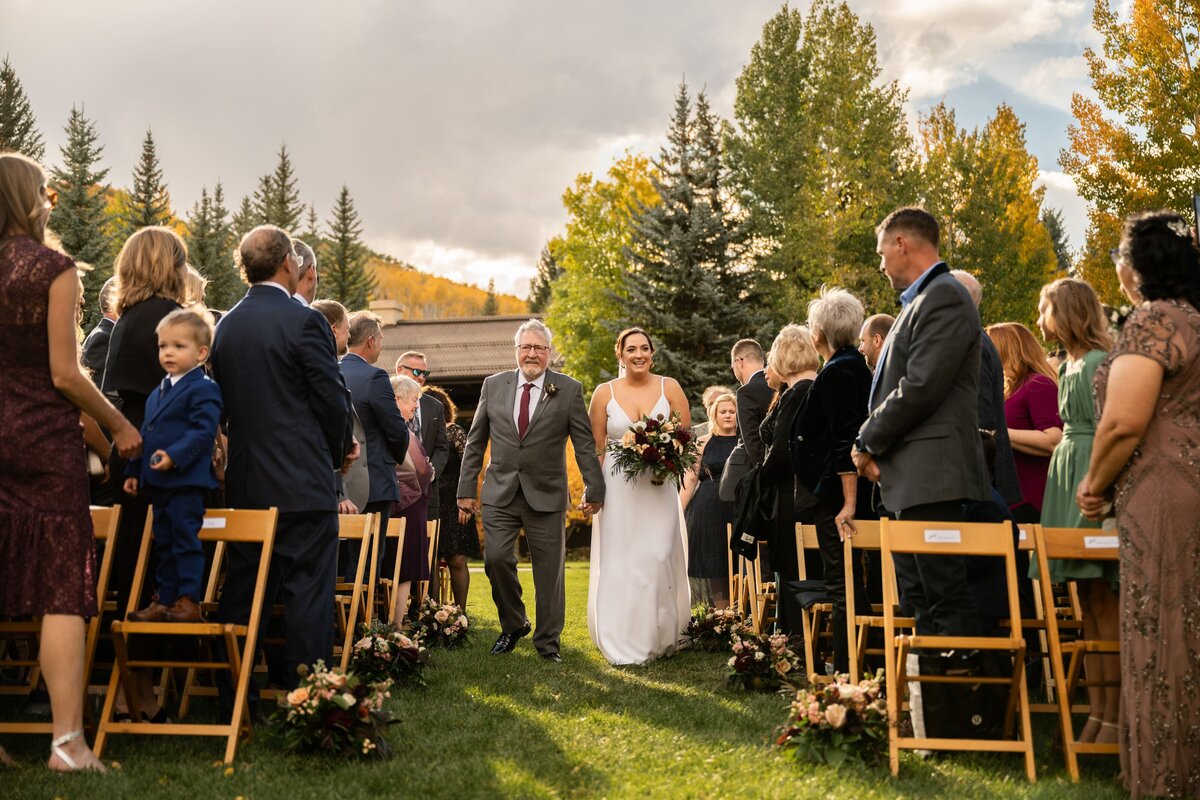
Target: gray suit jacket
<point x="923" y="428"/>
<point x="536" y="464"/>
<point x="356" y="484"/>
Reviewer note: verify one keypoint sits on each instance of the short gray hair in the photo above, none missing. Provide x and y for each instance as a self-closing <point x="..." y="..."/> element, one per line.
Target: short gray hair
<point x="308" y="259"/>
<point x="970" y="283"/>
<point x="535" y="325"/>
<point x="838" y="315"/>
<point x="405" y="387"/>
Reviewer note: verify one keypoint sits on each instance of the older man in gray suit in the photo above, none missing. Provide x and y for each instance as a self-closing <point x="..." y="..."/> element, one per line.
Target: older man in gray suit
<point x="528" y="414"/>
<point x="921" y="441"/>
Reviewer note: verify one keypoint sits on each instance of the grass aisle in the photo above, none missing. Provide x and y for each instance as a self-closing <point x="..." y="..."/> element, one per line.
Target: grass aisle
<point x="516" y="726"/>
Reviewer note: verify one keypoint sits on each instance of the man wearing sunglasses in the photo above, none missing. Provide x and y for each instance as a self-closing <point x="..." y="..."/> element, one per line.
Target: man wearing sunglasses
<point x="430" y="421"/>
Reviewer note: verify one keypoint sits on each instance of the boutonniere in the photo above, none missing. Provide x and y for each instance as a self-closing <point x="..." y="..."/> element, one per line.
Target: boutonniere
<point x="551" y="389"/>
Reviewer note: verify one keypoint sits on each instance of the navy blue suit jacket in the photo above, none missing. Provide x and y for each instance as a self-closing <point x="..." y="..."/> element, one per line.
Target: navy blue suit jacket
<point x="183" y="422"/>
<point x="285" y="402"/>
<point x="383" y="425"/>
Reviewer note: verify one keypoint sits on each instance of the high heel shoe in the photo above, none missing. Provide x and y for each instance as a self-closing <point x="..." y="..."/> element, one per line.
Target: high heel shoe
<point x="56" y="749"/>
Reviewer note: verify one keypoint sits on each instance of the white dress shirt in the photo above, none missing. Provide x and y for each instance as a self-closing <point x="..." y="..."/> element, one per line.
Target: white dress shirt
<point x="535" y="395"/>
<point x="278" y="286"/>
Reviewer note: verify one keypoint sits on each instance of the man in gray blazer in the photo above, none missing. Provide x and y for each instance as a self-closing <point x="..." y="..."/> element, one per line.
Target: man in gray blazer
<point x="921" y="441"/>
<point x="528" y="414"/>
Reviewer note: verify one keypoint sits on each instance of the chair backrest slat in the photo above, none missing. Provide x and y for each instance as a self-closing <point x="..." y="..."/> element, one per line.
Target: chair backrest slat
<point x="1091" y="544"/>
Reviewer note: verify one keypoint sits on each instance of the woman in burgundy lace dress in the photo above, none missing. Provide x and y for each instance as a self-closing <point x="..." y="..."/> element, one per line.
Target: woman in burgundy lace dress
<point x="1146" y="461"/>
<point x="47" y="556"/>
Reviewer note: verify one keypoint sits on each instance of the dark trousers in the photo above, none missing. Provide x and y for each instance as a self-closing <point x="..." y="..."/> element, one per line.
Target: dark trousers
<point x="178" y="517"/>
<point x="384" y="509"/>
<point x="936" y="587"/>
<point x="301" y="578"/>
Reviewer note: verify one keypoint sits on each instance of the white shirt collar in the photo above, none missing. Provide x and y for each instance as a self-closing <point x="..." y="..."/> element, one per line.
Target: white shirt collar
<point x="278" y="286"/>
<point x="299" y="297"/>
<point x="177" y="378"/>
<point x="537" y="382"/>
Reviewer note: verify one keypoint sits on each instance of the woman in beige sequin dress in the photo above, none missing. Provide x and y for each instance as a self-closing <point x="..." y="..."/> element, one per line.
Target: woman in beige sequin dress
<point x="1146" y="458"/>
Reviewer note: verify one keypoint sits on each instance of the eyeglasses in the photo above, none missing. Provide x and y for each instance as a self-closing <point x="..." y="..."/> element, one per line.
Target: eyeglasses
<point x="417" y="373"/>
<point x="51" y="197"/>
<point x="1115" y="255"/>
<point x="540" y="349"/>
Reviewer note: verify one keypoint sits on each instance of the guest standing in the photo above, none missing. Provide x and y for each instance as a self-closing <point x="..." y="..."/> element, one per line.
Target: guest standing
<point x="431" y="423"/>
<point x="748" y="365"/>
<point x="47" y="555"/>
<point x="414" y="474"/>
<point x="828" y="423"/>
<point x="1030" y="410"/>
<point x="874" y="333"/>
<point x="1144" y="460"/>
<point x="95" y="346"/>
<point x="1069" y="313"/>
<point x="457" y="540"/>
<point x="706" y="514"/>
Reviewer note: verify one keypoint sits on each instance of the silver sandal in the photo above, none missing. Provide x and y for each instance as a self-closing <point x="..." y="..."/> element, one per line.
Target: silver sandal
<point x="67" y="738"/>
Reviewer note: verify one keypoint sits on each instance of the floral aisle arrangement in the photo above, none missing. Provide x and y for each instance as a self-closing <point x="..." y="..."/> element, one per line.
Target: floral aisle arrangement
<point x="332" y="712"/>
<point x="661" y="446"/>
<point x="762" y="663"/>
<point x="440" y="625"/>
<point x="838" y="722"/>
<point x="385" y="655"/>
<point x="714" y="630"/>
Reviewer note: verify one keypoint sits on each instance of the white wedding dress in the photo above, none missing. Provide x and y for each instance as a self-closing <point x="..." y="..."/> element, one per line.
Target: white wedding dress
<point x="638" y="597"/>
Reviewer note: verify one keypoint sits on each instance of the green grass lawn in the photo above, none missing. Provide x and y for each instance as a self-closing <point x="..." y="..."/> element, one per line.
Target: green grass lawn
<point x="515" y="726"/>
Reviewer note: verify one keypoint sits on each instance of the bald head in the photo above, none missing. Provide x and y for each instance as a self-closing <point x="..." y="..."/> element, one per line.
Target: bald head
<point x="969" y="283"/>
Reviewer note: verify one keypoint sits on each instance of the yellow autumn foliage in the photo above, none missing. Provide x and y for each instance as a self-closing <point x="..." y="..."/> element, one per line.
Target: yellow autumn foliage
<point x="425" y="296"/>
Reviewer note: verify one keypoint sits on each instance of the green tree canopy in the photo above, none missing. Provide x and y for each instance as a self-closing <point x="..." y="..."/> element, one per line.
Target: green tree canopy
<point x="210" y="248"/>
<point x="18" y="127"/>
<point x="148" y="203"/>
<point x="344" y="257"/>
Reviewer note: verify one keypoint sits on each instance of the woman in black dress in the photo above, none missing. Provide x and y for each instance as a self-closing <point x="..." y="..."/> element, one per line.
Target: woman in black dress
<point x="706" y="514"/>
<point x="457" y="541"/>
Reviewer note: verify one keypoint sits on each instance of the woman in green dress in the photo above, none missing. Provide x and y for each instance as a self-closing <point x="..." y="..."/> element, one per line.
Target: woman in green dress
<point x="1070" y="313"/>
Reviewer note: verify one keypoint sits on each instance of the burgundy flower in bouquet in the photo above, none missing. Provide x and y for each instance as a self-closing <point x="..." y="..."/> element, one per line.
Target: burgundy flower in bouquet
<point x="661" y="446"/>
<point x="334" y="712"/>
<point x="837" y="723"/>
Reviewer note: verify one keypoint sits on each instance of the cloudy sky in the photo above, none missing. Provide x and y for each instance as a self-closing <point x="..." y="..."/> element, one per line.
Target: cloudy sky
<point x="456" y="124"/>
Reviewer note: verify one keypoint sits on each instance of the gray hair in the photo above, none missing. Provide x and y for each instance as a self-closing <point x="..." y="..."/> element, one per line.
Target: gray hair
<point x="405" y="387"/>
<point x="970" y="283"/>
<point x="838" y="315"/>
<point x="308" y="259"/>
<point x="538" y="327"/>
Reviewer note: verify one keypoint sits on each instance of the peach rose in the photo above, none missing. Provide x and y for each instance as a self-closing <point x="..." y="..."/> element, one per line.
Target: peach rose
<point x="297" y="696"/>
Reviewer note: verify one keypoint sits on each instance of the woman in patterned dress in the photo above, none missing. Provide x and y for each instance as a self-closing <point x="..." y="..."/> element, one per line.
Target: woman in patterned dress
<point x="1146" y="462"/>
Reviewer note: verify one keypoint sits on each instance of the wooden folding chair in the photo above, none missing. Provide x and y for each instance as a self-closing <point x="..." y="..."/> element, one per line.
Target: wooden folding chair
<point x="105" y="523"/>
<point x="1073" y="543"/>
<point x="737" y="573"/>
<point x="352" y="599"/>
<point x="387" y="585"/>
<point x="959" y="539"/>
<point x="1027" y="542"/>
<point x="432" y="529"/>
<point x="224" y="526"/>
<point x="816" y="620"/>
<point x="859" y="626"/>
<point x="763" y="599"/>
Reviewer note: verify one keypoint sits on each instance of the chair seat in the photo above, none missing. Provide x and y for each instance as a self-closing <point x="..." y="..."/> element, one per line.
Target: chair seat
<point x="181" y="628"/>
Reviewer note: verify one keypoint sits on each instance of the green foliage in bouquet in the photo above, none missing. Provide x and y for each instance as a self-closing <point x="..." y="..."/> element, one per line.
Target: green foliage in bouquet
<point x="838" y="723"/>
<point x="664" y="447"/>
<point x="714" y="630"/>
<point x="385" y="655"/>
<point x="335" y="713"/>
<point x="762" y="663"/>
<point x="440" y="625"/>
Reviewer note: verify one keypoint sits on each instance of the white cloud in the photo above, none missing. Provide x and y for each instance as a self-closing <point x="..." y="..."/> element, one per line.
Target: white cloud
<point x="1053" y="81"/>
<point x="512" y="273"/>
<point x="1061" y="194"/>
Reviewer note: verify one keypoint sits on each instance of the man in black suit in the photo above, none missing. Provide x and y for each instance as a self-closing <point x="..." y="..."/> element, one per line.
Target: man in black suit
<point x="921" y="440"/>
<point x="95" y="346"/>
<point x="288" y="416"/>
<point x="431" y="419"/>
<point x="748" y="363"/>
<point x="383" y="426"/>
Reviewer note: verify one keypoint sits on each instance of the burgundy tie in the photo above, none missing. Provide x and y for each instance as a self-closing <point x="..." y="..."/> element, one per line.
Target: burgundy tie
<point x="523" y="414"/>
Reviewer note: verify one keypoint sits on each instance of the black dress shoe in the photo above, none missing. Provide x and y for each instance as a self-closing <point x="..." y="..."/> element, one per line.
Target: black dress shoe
<point x="505" y="642"/>
<point x="552" y="657"/>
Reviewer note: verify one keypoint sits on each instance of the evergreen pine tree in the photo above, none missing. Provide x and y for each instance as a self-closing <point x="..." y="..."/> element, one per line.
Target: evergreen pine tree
<point x="684" y="286"/>
<point x="245" y="219"/>
<point x="210" y="243"/>
<point x="344" y="268"/>
<point x="283" y="206"/>
<point x="149" y="203"/>
<point x="491" y="306"/>
<point x="548" y="270"/>
<point x="263" y="197"/>
<point x="1052" y="218"/>
<point x="18" y="127"/>
<point x="312" y="234"/>
<point x="81" y="218"/>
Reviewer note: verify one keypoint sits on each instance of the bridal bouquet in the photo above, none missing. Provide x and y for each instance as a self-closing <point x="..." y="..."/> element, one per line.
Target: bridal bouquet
<point x="762" y="663"/>
<point x="385" y="655"/>
<point x="332" y="712"/>
<point x="837" y="722"/>
<point x="440" y="625"/>
<point x="714" y="630"/>
<point x="661" y="446"/>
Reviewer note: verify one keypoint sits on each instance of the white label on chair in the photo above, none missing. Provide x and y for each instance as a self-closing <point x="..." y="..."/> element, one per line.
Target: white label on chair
<point x="943" y="537"/>
<point x="214" y="522"/>
<point x="1100" y="542"/>
<point x="1023" y="534"/>
<point x="748" y="538"/>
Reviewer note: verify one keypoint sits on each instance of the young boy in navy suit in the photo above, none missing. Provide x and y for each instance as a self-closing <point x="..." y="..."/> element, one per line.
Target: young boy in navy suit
<point x="178" y="433"/>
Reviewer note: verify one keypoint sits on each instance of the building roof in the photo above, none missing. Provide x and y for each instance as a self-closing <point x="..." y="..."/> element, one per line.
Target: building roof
<point x="458" y="348"/>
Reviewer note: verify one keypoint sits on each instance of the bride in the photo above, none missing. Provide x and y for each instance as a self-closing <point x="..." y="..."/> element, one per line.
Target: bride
<point x="638" y="602"/>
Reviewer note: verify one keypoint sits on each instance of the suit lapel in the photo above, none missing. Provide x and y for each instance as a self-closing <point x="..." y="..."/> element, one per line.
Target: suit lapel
<point x="508" y="399"/>
<point x="179" y="388"/>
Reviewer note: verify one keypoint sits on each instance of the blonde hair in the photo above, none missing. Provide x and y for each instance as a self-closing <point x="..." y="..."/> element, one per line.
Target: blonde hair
<point x="194" y="287"/>
<point x="1020" y="355"/>
<point x="793" y="351"/>
<point x="1077" y="317"/>
<point x="710" y="408"/>
<point x="151" y="264"/>
<point x="20" y="205"/>
<point x="198" y="323"/>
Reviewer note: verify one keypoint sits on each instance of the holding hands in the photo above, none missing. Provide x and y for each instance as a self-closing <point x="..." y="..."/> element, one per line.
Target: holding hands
<point x="467" y="508"/>
<point x="865" y="463"/>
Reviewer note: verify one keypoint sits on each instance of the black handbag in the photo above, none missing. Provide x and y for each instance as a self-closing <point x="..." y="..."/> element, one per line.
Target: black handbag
<point x="752" y="513"/>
